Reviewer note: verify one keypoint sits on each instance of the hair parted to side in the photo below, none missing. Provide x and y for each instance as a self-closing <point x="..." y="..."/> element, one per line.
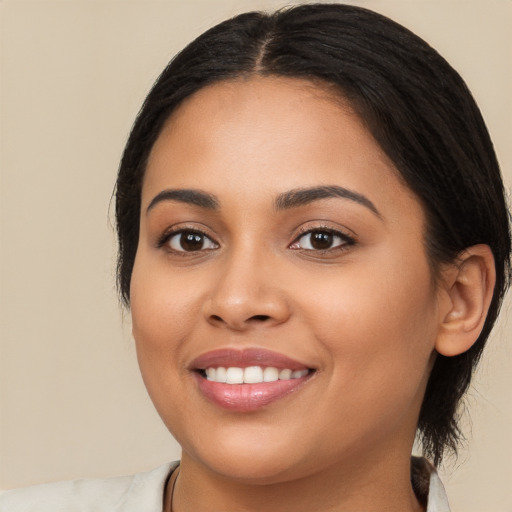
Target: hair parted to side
<point x="416" y="106"/>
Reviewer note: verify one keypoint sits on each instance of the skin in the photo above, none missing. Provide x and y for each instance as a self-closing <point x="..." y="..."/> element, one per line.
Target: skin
<point x="364" y="314"/>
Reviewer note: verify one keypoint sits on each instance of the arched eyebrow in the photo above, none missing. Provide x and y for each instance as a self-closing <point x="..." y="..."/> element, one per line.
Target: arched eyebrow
<point x="189" y="196"/>
<point x="284" y="201"/>
<point x="304" y="196"/>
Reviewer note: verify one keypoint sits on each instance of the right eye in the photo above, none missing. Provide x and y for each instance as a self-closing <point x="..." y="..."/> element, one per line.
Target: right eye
<point x="190" y="241"/>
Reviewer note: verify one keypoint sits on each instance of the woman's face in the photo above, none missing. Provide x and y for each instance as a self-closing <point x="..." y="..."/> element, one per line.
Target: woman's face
<point x="275" y="236"/>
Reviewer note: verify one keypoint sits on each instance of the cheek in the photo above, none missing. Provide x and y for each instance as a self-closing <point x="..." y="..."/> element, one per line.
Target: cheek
<point x="379" y="326"/>
<point x="161" y="302"/>
<point x="162" y="309"/>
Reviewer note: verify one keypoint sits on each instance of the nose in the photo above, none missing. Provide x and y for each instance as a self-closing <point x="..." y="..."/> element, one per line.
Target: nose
<point x="246" y="293"/>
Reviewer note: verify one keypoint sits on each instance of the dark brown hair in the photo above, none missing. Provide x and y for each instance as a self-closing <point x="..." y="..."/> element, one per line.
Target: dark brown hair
<point x="418" y="109"/>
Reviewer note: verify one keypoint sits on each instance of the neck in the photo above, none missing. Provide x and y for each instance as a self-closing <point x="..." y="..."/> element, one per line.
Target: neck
<point x="376" y="485"/>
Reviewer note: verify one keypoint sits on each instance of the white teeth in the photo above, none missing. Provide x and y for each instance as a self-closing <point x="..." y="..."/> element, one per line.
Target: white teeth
<point x="252" y="374"/>
<point x="234" y="375"/>
<point x="270" y="374"/>
<point x="285" y="374"/>
<point x="220" y="374"/>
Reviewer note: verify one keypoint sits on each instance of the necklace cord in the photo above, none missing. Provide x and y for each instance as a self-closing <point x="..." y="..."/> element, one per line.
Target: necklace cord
<point x="175" y="475"/>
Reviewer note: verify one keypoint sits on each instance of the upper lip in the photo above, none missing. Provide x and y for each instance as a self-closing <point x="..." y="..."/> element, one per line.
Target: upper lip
<point x="242" y="358"/>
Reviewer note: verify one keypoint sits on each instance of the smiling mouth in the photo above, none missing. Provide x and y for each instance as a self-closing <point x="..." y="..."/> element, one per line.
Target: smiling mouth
<point x="250" y="379"/>
<point x="252" y="374"/>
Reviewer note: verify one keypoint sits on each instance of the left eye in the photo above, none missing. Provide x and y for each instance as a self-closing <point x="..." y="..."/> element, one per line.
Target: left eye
<point x="320" y="241"/>
<point x="189" y="241"/>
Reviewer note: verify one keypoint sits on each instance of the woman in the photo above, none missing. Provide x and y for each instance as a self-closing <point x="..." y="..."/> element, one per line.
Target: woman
<point x="314" y="245"/>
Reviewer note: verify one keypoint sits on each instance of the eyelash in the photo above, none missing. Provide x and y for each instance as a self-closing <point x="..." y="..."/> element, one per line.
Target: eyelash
<point x="166" y="240"/>
<point x="344" y="240"/>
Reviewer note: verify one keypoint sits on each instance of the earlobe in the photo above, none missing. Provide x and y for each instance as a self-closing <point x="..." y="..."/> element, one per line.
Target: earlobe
<point x="469" y="286"/>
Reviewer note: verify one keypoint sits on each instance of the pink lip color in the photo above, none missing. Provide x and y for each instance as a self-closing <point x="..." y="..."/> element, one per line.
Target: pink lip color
<point x="246" y="397"/>
<point x="243" y="358"/>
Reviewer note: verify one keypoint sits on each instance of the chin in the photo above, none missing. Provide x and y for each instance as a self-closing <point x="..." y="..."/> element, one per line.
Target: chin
<point x="253" y="459"/>
<point x="254" y="470"/>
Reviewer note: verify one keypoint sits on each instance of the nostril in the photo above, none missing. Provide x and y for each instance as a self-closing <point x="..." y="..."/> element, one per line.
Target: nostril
<point x="218" y="320"/>
<point x="259" y="318"/>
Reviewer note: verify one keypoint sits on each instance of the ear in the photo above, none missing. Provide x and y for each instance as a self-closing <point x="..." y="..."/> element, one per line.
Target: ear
<point x="468" y="287"/>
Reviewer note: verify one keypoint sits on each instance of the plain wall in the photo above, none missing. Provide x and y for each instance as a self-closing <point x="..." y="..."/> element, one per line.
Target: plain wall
<point x="73" y="76"/>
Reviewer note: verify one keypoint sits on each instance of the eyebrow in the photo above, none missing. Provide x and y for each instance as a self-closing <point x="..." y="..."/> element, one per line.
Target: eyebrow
<point x="291" y="199"/>
<point x="304" y="196"/>
<point x="189" y="196"/>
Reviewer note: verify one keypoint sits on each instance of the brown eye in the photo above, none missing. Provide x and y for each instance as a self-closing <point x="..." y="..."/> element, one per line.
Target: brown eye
<point x="321" y="240"/>
<point x="190" y="241"/>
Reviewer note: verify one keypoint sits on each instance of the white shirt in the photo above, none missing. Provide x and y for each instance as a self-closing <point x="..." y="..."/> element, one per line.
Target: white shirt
<point x="142" y="492"/>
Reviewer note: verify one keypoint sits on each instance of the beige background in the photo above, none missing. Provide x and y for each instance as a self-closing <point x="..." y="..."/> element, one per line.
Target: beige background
<point x="73" y="75"/>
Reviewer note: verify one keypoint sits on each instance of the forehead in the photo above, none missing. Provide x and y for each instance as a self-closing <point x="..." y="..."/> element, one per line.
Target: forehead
<point x="268" y="134"/>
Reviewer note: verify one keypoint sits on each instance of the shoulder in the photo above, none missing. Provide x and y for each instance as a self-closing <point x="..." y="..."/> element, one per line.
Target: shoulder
<point x="427" y="485"/>
<point x="437" y="499"/>
<point x="142" y="492"/>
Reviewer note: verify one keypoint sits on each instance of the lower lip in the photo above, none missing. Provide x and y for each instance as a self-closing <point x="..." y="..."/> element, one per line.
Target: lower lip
<point x="247" y="397"/>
